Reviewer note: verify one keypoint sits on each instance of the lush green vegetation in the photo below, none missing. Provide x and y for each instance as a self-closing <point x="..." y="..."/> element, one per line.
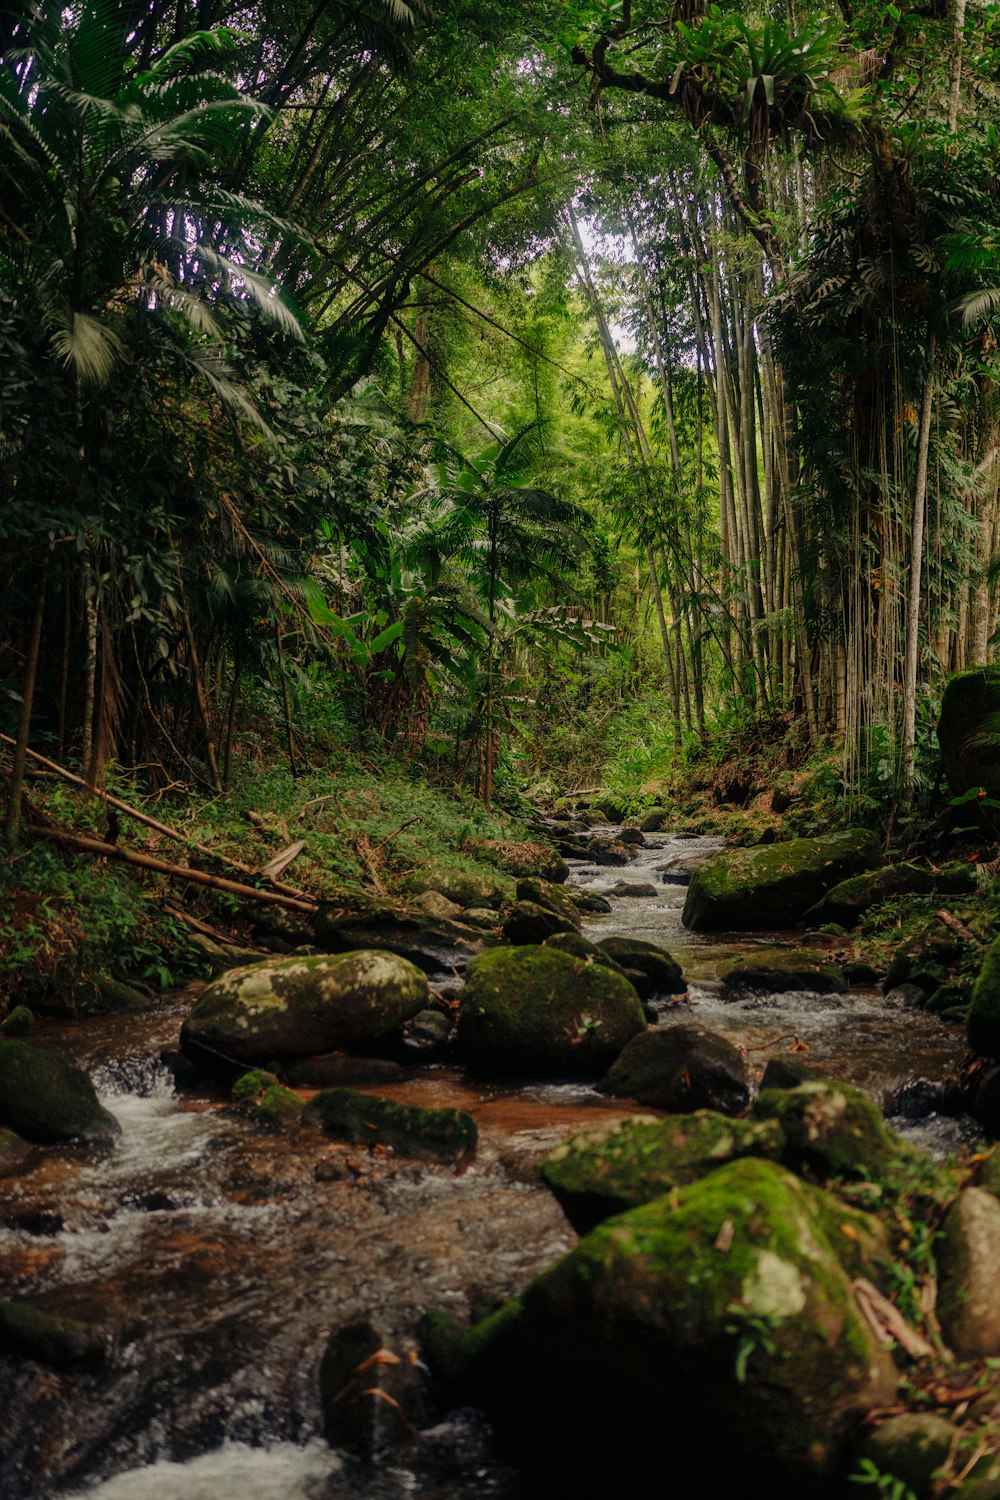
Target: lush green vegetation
<point x="549" y="394"/>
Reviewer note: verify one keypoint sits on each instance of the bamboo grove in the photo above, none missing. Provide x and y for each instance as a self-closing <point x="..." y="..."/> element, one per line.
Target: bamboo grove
<point x="433" y="357"/>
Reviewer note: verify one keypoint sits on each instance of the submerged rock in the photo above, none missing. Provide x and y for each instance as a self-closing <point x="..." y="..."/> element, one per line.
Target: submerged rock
<point x="365" y="1119"/>
<point x="372" y="1392"/>
<point x="536" y="1012"/>
<point x="968" y="1256"/>
<point x="774" y="970"/>
<point x="680" y="1068"/>
<point x="622" y="1164"/>
<point x="47" y="1099"/>
<point x="35" y="1333"/>
<point x="714" y="1326"/>
<point x="292" y="1007"/>
<point x="774" y="885"/>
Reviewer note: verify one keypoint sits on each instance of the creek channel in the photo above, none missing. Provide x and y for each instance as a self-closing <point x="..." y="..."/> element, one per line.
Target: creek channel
<point x="218" y="1257"/>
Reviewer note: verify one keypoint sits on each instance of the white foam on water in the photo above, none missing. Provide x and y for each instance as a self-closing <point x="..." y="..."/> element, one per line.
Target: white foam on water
<point x="233" y="1472"/>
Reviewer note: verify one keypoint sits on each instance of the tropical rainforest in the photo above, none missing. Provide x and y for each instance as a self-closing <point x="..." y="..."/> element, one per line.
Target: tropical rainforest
<point x="439" y="440"/>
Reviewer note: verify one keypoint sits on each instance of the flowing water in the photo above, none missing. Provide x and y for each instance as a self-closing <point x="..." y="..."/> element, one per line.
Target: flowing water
<point x="218" y="1257"/>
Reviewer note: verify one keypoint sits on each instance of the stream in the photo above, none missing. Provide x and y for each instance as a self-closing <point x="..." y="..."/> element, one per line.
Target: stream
<point x="218" y="1256"/>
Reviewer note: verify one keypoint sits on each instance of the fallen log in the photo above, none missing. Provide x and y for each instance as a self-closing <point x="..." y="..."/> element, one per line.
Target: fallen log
<point x="164" y="828"/>
<point x="175" y="872"/>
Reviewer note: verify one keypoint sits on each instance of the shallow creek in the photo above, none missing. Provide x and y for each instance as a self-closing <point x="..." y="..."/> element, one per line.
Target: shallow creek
<point x="219" y="1257"/>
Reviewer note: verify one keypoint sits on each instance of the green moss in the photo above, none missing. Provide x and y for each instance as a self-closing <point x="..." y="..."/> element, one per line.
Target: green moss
<point x="537" y="1012"/>
<point x="777" y="969"/>
<point x="366" y="1119"/>
<point x="830" y="1129"/>
<point x="773" y="885"/>
<point x="249" y="1087"/>
<point x="48" y="1099"/>
<point x="52" y="1340"/>
<point x="20" y="1023"/>
<point x="983" y="1024"/>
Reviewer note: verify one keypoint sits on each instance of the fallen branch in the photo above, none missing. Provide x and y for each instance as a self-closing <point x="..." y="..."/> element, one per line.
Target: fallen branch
<point x="958" y="927"/>
<point x="887" y="1322"/>
<point x="197" y="925"/>
<point x="174" y="872"/>
<point x="144" y="818"/>
<point x="280" y="862"/>
<point x="395" y="833"/>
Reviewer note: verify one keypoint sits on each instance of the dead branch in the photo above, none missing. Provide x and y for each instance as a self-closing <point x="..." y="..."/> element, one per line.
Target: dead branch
<point x="887" y="1322"/>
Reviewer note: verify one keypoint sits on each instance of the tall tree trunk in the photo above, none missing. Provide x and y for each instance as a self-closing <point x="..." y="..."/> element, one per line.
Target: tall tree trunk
<point x="913" y="597"/>
<point x="12" y="822"/>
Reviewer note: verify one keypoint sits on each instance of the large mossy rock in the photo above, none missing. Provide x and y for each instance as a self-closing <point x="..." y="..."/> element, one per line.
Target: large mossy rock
<point x="830" y="1129"/>
<point x="463" y="887"/>
<point x="536" y="1012"/>
<point x="47" y="1099"/>
<point x="775" y="970"/>
<point x="660" y="968"/>
<point x="911" y="1447"/>
<point x="555" y="898"/>
<point x="680" y="1068"/>
<point x="622" y="1164"/>
<point x="295" y="1007"/>
<point x="983" y="1023"/>
<point x="848" y="901"/>
<point x="968" y="730"/>
<point x="774" y="885"/>
<point x="712" y="1332"/>
<point x="432" y="943"/>
<point x="365" y="1119"/>
<point x="530" y="923"/>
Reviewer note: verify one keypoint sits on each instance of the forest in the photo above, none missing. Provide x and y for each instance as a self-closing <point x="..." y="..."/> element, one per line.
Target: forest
<point x="499" y="557"/>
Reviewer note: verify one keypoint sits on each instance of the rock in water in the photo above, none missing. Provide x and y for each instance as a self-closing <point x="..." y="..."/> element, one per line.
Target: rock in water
<point x="47" y="1099"/>
<point x="294" y="1007"/>
<point x="711" y="1332"/>
<point x="537" y="1012"/>
<point x="372" y="1393"/>
<point x="774" y="970"/>
<point x="662" y="972"/>
<point x="774" y="885"/>
<point x="365" y="1119"/>
<point x="680" y="1068"/>
<point x="530" y="923"/>
<point x="969" y="1266"/>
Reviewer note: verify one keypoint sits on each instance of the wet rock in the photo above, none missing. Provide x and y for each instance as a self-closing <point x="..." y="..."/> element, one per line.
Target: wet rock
<point x="680" y="1068"/>
<point x="714" y="1321"/>
<point x="634" y="888"/>
<point x="47" y="1099"/>
<point x="661" y="970"/>
<point x="34" y="1333"/>
<point x="602" y="851"/>
<point x="905" y="997"/>
<point x="219" y="958"/>
<point x="296" y="1007"/>
<point x="16" y="1155"/>
<point x="431" y="943"/>
<point x="774" y="885"/>
<point x="428" y="1035"/>
<point x="632" y="837"/>
<point x="481" y="918"/>
<point x="365" y="1119"/>
<point x="20" y="1023"/>
<point x="848" y="901"/>
<point x="966" y="732"/>
<point x="910" y="1447"/>
<point x="530" y="923"/>
<point x="554" y="898"/>
<point x="525" y="858"/>
<point x="340" y="1071"/>
<point x="680" y="869"/>
<point x="577" y="946"/>
<point x="968" y="1257"/>
<point x="775" y="970"/>
<point x="983" y="1023"/>
<point x="537" y="1012"/>
<point x="655" y="820"/>
<point x="433" y="904"/>
<point x="371" y="1392"/>
<point x="463" y="887"/>
<point x="830" y="1129"/>
<point x="786" y="1072"/>
<point x="622" y="1164"/>
<point x="590" y="901"/>
<point x="612" y="808"/>
<point x="916" y="1099"/>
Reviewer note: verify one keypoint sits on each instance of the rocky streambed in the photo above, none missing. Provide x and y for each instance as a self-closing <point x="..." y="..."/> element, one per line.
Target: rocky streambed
<point x="210" y="1258"/>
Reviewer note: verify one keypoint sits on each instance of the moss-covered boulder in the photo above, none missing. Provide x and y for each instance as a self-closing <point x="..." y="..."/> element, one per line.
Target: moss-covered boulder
<point x="710" y="1331"/>
<point x="680" y="1068"/>
<point x="432" y="943"/>
<point x="983" y="1023"/>
<point x="830" y="1129"/>
<point x="46" y="1098"/>
<point x="774" y="970"/>
<point x="622" y="1164"/>
<point x="36" y="1333"/>
<point x="968" y="1306"/>
<point x="911" y="1447"/>
<point x="848" y="901"/>
<point x="774" y="885"/>
<point x="590" y="902"/>
<point x="463" y="887"/>
<point x="655" y="820"/>
<point x="293" y="1007"/>
<point x="577" y="946"/>
<point x="536" y="1012"/>
<point x="530" y="923"/>
<point x="19" y="1023"/>
<point x="607" y="851"/>
<point x="554" y="898"/>
<point x="365" y="1119"/>
<point x="660" y="968"/>
<point x="967" y="731"/>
